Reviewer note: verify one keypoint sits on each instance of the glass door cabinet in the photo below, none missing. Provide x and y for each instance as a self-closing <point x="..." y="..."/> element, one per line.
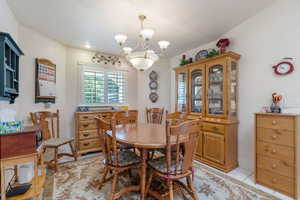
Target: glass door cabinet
<point x="182" y="89"/>
<point x="216" y="97"/>
<point x="208" y="90"/>
<point x="197" y="88"/>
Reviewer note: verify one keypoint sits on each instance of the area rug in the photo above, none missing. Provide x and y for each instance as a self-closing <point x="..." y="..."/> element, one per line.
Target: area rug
<point x="79" y="181"/>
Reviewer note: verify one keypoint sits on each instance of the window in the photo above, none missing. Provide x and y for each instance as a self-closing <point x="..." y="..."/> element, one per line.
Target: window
<point x="103" y="86"/>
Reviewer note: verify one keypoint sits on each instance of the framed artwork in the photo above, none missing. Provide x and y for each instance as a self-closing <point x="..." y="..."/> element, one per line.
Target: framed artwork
<point x="45" y="83"/>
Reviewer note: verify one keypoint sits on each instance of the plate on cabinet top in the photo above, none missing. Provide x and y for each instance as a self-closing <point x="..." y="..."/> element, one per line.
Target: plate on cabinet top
<point x="153" y="75"/>
<point x="201" y="55"/>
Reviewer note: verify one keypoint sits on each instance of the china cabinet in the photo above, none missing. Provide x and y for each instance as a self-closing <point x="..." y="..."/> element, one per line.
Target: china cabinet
<point x="207" y="89"/>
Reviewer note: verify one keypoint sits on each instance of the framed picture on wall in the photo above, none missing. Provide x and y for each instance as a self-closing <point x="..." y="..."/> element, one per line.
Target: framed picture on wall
<point x="45" y="83"/>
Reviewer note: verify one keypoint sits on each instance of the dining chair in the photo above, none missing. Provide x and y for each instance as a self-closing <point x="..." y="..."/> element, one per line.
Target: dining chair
<point x="176" y="165"/>
<point x="154" y="115"/>
<point x="175" y="115"/>
<point x="127" y="117"/>
<point x="116" y="160"/>
<point x="49" y="123"/>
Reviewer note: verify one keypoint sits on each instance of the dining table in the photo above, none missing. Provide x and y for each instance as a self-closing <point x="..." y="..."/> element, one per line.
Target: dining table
<point x="144" y="137"/>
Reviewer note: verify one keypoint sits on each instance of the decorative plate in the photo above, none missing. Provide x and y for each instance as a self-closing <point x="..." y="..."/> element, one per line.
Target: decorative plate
<point x="153" y="96"/>
<point x="201" y="55"/>
<point x="153" y="76"/>
<point x="153" y="85"/>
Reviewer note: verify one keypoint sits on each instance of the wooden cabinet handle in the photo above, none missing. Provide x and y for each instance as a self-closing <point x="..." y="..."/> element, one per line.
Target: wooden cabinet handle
<point x="274" y="122"/>
<point x="274" y="180"/>
<point x="274" y="151"/>
<point x="86" y="144"/>
<point x="85" y="117"/>
<point x="274" y="137"/>
<point x="215" y="128"/>
<point x="274" y="166"/>
<point x="85" y="125"/>
<point x="86" y="134"/>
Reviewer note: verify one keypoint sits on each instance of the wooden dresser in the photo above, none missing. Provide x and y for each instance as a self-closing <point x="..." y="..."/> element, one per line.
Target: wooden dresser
<point x="87" y="138"/>
<point x="278" y="152"/>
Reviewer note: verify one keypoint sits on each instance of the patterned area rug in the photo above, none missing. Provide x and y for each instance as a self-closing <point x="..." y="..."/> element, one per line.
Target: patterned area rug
<point x="79" y="181"/>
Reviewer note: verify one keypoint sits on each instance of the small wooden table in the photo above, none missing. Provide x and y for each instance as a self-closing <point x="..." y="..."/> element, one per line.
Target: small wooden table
<point x="143" y="137"/>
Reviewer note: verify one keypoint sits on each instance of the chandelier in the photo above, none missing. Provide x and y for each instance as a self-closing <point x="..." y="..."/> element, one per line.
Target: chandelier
<point x="142" y="56"/>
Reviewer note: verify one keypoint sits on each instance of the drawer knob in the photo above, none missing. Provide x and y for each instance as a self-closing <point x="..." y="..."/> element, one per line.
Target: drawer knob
<point x="85" y="125"/>
<point x="86" y="134"/>
<point x="274" y="180"/>
<point x="274" y="151"/>
<point x="274" y="137"/>
<point x="85" y="117"/>
<point x="215" y="128"/>
<point x="274" y="166"/>
<point x="274" y="122"/>
<point x="86" y="144"/>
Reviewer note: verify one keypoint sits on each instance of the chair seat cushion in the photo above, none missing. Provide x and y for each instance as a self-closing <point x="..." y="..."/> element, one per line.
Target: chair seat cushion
<point x="127" y="157"/>
<point x="160" y="164"/>
<point x="57" y="141"/>
<point x="125" y="146"/>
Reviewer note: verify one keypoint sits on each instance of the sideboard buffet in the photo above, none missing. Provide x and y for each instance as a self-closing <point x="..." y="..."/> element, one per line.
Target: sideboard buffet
<point x="207" y="89"/>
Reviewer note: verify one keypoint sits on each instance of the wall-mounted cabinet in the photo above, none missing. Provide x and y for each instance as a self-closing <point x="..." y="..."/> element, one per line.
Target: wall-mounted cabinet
<point x="207" y="89"/>
<point x="9" y="68"/>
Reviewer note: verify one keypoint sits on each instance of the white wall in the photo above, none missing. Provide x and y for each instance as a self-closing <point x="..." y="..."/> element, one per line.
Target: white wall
<point x="262" y="41"/>
<point x="163" y="69"/>
<point x="34" y="45"/>
<point x="74" y="56"/>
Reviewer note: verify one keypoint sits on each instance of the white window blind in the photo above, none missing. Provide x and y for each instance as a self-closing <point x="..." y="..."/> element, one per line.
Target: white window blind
<point x="103" y="86"/>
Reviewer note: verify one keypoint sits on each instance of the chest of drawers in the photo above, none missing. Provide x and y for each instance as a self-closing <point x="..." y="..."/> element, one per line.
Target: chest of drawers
<point x="87" y="137"/>
<point x="277" y="163"/>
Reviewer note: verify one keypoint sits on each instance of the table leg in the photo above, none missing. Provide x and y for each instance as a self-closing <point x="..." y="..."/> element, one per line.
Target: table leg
<point x="144" y="154"/>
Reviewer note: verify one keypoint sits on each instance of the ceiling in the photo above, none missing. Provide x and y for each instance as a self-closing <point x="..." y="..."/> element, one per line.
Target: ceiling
<point x="185" y="23"/>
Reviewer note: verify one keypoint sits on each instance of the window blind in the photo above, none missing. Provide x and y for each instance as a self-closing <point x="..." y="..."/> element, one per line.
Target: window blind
<point x="104" y="87"/>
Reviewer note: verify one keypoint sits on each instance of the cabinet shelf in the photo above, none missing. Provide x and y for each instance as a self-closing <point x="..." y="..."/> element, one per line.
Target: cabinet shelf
<point x="9" y="66"/>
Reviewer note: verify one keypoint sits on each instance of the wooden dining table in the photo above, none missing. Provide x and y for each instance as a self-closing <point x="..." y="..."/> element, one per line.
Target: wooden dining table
<point x="144" y="137"/>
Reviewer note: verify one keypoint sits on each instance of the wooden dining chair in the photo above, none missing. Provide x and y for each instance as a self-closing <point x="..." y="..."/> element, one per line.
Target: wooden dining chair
<point x="116" y="161"/>
<point x="127" y="117"/>
<point x="154" y="115"/>
<point x="49" y="123"/>
<point x="175" y="115"/>
<point x="177" y="165"/>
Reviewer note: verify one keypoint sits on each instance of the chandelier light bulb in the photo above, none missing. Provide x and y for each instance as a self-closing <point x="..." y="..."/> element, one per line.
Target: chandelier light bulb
<point x="163" y="45"/>
<point x="121" y="39"/>
<point x="127" y="50"/>
<point x="147" y="34"/>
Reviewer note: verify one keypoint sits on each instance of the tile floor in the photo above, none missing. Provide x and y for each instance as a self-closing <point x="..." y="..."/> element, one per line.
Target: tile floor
<point x="248" y="178"/>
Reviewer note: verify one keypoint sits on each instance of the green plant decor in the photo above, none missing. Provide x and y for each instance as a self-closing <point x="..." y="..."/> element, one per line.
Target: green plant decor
<point x="212" y="53"/>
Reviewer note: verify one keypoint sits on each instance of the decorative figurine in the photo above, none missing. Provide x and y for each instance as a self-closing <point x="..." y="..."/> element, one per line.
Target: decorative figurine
<point x="184" y="61"/>
<point x="275" y="108"/>
<point x="222" y="44"/>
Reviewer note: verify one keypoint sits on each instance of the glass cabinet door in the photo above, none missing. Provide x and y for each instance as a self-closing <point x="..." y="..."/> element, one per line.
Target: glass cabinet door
<point x="233" y="88"/>
<point x="197" y="87"/>
<point x="215" y="90"/>
<point x="181" y="104"/>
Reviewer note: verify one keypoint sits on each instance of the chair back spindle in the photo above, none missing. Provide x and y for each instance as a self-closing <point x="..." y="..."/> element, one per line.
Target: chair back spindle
<point x="49" y="122"/>
<point x="184" y="134"/>
<point x="109" y="142"/>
